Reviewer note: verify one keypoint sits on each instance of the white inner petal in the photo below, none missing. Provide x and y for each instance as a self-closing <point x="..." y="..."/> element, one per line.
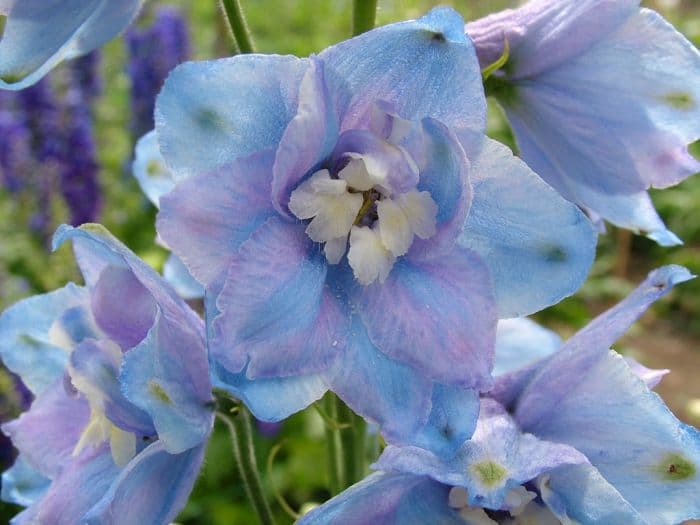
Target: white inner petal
<point x="368" y="257"/>
<point x="394" y="228"/>
<point x="420" y="211"/>
<point x="335" y="249"/>
<point x="356" y="175"/>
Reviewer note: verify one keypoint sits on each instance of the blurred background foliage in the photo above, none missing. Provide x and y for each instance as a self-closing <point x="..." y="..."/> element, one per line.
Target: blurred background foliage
<point x="668" y="337"/>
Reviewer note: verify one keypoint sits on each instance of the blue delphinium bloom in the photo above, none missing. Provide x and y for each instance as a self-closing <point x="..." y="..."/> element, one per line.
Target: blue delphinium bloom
<point x="354" y="229"/>
<point x="153" y="52"/>
<point x="41" y="33"/>
<point x="117" y="431"/>
<point x="580" y="430"/>
<point x="603" y="97"/>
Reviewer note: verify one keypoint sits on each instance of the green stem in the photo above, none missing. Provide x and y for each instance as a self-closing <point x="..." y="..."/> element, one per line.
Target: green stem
<point x="237" y="420"/>
<point x="364" y="15"/>
<point x="353" y="444"/>
<point x="239" y="27"/>
<point x="335" y="467"/>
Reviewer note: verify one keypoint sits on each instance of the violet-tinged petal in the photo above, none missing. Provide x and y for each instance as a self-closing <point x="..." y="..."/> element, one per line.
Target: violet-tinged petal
<point x="537" y="246"/>
<point x="74" y="490"/>
<point x="152" y="488"/>
<point x="521" y="342"/>
<point x="437" y="315"/>
<point x="608" y="413"/>
<point x="22" y="484"/>
<point x="277" y="315"/>
<point x="543" y="35"/>
<point x="206" y="218"/>
<point x="386" y="163"/>
<point x="441" y="79"/>
<point x="650" y="376"/>
<point x="389" y="499"/>
<point x="94" y="371"/>
<point x="123" y="307"/>
<point x="25" y="345"/>
<point x="382" y="390"/>
<point x="271" y="399"/>
<point x="39" y="34"/>
<point x="46" y="435"/>
<point x="308" y="138"/>
<point x="211" y="113"/>
<point x="166" y="375"/>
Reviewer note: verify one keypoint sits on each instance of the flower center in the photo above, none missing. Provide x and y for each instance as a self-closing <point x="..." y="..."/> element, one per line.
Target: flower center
<point x="361" y="205"/>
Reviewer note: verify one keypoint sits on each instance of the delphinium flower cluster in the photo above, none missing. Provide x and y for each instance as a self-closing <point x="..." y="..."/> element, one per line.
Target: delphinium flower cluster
<point x="353" y="230"/>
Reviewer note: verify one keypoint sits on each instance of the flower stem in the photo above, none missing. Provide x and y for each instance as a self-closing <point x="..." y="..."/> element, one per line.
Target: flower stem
<point x="335" y="467"/>
<point x="239" y="27"/>
<point x="237" y="419"/>
<point x="364" y="15"/>
<point x="353" y="444"/>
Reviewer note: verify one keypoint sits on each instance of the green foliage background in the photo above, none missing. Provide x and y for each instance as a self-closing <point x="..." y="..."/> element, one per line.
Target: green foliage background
<point x="302" y="27"/>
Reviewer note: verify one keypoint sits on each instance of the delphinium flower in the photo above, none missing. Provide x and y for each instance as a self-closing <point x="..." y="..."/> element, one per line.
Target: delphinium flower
<point x="14" y="397"/>
<point x="354" y="229"/>
<point x="39" y="34"/>
<point x="603" y="97"/>
<point x="123" y="409"/>
<point x="153" y="52"/>
<point x="576" y="436"/>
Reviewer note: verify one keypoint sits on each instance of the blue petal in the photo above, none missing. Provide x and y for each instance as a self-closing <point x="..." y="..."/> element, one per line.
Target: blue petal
<point x="179" y="277"/>
<point x="389" y="499"/>
<point x="634" y="210"/>
<point x="380" y="389"/>
<point x="210" y="113"/>
<point x="521" y="342"/>
<point x="22" y="484"/>
<point x="25" y="346"/>
<point x="152" y="488"/>
<point x="580" y="493"/>
<point x="206" y="218"/>
<point x="167" y="375"/>
<point x="277" y="315"/>
<point x="40" y="34"/>
<point x="150" y="170"/>
<point x="437" y="315"/>
<point x="537" y="246"/>
<point x="452" y="420"/>
<point x="47" y="434"/>
<point x="426" y="67"/>
<point x="271" y="398"/>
